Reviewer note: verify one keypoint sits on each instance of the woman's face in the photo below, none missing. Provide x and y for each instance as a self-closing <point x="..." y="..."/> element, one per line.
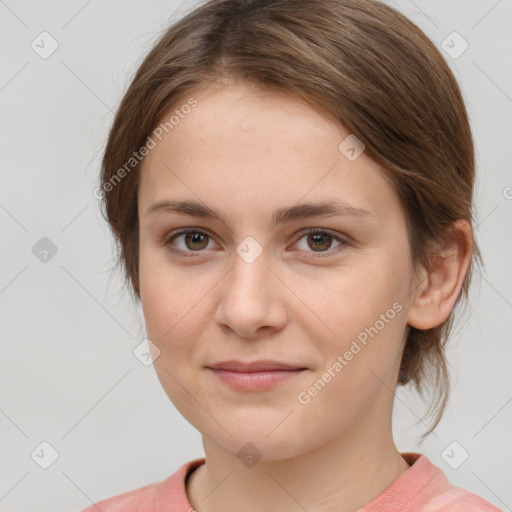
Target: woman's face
<point x="254" y="285"/>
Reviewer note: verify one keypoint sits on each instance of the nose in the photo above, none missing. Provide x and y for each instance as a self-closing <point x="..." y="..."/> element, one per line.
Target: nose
<point x="252" y="299"/>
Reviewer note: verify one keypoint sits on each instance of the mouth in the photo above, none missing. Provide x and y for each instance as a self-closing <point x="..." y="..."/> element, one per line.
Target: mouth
<point x="255" y="376"/>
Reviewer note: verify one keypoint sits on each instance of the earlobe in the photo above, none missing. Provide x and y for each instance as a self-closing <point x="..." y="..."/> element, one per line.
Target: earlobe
<point x="440" y="286"/>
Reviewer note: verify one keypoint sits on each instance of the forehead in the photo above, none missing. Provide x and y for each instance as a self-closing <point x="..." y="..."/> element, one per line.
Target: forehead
<point x="246" y="119"/>
<point x="245" y="144"/>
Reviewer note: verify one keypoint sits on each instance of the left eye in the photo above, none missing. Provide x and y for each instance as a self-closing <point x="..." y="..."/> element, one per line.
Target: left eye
<point x="322" y="240"/>
<point x="195" y="241"/>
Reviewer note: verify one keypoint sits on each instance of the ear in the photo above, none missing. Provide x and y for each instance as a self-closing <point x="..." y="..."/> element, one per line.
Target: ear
<point x="439" y="286"/>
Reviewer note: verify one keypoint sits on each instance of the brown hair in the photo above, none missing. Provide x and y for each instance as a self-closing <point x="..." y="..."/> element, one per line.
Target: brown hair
<point x="361" y="61"/>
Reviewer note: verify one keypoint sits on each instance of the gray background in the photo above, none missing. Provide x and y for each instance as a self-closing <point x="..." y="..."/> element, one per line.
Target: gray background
<point x="67" y="329"/>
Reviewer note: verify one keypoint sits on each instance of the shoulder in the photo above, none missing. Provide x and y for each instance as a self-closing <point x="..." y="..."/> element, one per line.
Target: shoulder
<point x="152" y="497"/>
<point x="456" y="499"/>
<point x="435" y="493"/>
<point x="137" y="500"/>
<point x="425" y="488"/>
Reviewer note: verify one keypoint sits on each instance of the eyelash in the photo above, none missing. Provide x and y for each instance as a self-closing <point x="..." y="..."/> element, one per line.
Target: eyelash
<point x="323" y="254"/>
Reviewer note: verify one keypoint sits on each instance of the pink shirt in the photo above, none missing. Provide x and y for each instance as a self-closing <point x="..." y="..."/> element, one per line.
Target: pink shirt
<point x="422" y="488"/>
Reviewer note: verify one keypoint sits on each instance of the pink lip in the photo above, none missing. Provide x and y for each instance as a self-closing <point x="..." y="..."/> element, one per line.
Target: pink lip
<point x="254" y="366"/>
<point x="254" y="376"/>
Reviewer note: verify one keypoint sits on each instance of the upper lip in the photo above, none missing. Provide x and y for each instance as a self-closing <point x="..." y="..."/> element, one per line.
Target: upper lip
<point x="254" y="366"/>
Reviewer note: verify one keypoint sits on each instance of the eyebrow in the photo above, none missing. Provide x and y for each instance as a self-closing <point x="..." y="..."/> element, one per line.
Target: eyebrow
<point x="330" y="208"/>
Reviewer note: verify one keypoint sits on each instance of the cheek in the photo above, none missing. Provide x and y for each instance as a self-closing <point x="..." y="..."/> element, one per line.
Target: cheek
<point x="366" y="312"/>
<point x="167" y="292"/>
<point x="168" y="297"/>
<point x="172" y="308"/>
<point x="363" y="313"/>
<point x="353" y="299"/>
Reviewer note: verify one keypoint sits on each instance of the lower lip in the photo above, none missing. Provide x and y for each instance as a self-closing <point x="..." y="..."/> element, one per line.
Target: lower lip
<point x="255" y="381"/>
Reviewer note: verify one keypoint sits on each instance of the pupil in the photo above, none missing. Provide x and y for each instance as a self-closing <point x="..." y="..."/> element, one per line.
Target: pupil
<point x="196" y="238"/>
<point x="319" y="238"/>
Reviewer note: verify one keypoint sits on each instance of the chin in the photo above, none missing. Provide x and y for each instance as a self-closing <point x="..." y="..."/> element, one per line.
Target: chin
<point x="252" y="440"/>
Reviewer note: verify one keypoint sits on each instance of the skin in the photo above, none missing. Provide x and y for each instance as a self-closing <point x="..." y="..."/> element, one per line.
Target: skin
<point x="245" y="152"/>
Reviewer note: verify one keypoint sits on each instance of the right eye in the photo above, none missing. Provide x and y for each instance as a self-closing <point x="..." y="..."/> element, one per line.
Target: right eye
<point x="194" y="241"/>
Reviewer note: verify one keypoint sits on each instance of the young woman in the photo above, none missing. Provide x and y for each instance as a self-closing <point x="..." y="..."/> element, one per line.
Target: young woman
<point x="290" y="186"/>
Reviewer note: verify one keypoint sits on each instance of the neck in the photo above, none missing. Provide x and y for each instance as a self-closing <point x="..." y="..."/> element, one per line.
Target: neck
<point x="341" y="475"/>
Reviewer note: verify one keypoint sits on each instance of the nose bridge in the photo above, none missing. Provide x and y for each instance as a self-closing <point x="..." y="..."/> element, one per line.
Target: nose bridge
<point x="251" y="250"/>
<point x="250" y="266"/>
<point x="248" y="299"/>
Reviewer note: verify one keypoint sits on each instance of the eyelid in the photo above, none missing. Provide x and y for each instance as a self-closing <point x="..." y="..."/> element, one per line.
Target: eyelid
<point x="170" y="238"/>
<point x="344" y="240"/>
